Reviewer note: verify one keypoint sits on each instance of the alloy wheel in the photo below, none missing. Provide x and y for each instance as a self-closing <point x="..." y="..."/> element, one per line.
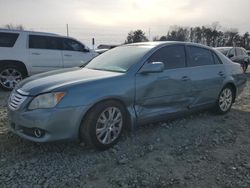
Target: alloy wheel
<point x="226" y="99"/>
<point x="109" y="125"/>
<point x="10" y="77"/>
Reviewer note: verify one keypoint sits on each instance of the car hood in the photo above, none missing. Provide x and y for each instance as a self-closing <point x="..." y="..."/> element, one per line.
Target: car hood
<point x="46" y="82"/>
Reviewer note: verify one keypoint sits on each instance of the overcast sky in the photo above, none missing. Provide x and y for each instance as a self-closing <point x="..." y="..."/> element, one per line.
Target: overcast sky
<point x="109" y="21"/>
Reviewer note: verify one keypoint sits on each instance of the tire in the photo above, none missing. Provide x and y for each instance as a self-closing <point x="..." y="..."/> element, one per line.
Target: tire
<point x="225" y="100"/>
<point x="244" y="66"/>
<point x="103" y="125"/>
<point x="10" y="75"/>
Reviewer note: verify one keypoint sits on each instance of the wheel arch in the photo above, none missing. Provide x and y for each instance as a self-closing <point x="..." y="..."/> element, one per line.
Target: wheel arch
<point x="16" y="63"/>
<point x="130" y="114"/>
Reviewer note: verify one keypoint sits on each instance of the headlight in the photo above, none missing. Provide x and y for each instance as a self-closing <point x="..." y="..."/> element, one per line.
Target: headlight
<point x="48" y="100"/>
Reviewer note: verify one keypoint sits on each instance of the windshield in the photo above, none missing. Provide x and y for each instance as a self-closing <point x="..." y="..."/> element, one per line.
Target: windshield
<point x="224" y="50"/>
<point x="119" y="59"/>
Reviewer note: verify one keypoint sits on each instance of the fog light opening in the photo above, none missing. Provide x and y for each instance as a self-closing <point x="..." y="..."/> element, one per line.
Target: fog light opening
<point x="38" y="133"/>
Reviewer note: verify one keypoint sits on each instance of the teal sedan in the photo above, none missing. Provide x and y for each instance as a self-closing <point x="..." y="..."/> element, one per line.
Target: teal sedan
<point x="123" y="88"/>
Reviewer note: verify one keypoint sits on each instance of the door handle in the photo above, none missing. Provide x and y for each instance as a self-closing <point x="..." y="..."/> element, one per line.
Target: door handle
<point x="68" y="55"/>
<point x="185" y="78"/>
<point x="35" y="53"/>
<point x="221" y="73"/>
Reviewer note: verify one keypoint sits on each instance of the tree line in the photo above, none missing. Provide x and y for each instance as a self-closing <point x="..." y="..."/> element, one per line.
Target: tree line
<point x="211" y="35"/>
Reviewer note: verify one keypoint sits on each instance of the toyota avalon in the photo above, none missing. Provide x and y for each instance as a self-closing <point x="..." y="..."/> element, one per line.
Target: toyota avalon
<point x="127" y="86"/>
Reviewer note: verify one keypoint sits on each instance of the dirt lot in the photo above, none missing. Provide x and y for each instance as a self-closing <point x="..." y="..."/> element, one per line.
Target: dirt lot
<point x="201" y="150"/>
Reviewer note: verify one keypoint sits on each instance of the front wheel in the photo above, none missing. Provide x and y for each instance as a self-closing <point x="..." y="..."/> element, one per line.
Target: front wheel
<point x="103" y="125"/>
<point x="225" y="100"/>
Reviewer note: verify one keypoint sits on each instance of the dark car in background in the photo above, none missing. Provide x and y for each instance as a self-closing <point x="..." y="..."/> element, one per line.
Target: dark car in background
<point x="236" y="54"/>
<point x="248" y="52"/>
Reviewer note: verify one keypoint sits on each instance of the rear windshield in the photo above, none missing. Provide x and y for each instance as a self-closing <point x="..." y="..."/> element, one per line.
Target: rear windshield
<point x="8" y="39"/>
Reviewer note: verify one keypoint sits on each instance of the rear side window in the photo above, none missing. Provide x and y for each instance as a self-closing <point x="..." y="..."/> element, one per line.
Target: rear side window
<point x="8" y="39"/>
<point x="72" y="45"/>
<point x="172" y="56"/>
<point x="199" y="57"/>
<point x="44" y="42"/>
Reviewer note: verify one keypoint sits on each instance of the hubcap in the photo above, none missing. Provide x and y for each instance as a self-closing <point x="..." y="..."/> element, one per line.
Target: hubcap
<point x="10" y="77"/>
<point x="109" y="125"/>
<point x="226" y="99"/>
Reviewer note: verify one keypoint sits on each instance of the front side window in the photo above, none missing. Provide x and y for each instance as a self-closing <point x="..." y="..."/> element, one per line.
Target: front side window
<point x="172" y="56"/>
<point x="44" y="42"/>
<point x="8" y="39"/>
<point x="199" y="57"/>
<point x="72" y="45"/>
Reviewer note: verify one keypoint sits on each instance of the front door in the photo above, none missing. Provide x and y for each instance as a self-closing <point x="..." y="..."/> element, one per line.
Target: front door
<point x="75" y="54"/>
<point x="167" y="91"/>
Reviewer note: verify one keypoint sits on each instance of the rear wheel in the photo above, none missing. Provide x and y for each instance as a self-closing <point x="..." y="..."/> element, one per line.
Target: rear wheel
<point x="103" y="125"/>
<point x="10" y="75"/>
<point x="225" y="100"/>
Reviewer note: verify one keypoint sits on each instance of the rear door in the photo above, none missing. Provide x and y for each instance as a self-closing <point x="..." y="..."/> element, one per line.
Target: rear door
<point x="75" y="54"/>
<point x="165" y="92"/>
<point x="207" y="73"/>
<point x="44" y="53"/>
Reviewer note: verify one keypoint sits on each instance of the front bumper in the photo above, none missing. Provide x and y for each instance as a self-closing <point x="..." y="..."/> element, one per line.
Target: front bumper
<point x="56" y="124"/>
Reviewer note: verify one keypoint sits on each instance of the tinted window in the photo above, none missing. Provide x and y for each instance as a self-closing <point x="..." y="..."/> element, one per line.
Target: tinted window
<point x="216" y="59"/>
<point x="172" y="56"/>
<point x="44" y="42"/>
<point x="72" y="45"/>
<point x="8" y="39"/>
<point x="199" y="57"/>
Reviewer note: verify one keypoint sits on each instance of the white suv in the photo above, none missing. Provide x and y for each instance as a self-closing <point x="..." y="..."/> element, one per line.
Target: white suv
<point x="24" y="53"/>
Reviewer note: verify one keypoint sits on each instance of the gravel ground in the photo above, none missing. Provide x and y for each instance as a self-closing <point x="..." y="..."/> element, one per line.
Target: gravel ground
<point x="200" y="150"/>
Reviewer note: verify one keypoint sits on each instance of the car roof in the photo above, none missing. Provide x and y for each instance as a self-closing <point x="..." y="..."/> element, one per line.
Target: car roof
<point x="165" y="43"/>
<point x="26" y="31"/>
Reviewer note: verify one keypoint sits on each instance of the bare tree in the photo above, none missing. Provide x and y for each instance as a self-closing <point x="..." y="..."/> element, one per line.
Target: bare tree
<point x="11" y="26"/>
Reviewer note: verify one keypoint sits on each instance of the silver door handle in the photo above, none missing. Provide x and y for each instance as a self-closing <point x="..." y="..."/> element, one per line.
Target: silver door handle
<point x="67" y="55"/>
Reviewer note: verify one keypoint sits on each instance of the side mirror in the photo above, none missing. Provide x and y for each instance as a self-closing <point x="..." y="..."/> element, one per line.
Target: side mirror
<point x="230" y="55"/>
<point x="153" y="67"/>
